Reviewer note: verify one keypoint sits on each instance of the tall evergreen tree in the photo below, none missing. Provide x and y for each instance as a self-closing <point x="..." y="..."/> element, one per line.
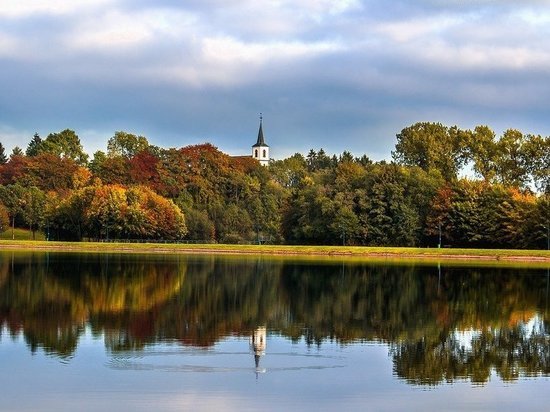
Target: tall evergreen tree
<point x="17" y="152"/>
<point x="35" y="146"/>
<point x="3" y="157"/>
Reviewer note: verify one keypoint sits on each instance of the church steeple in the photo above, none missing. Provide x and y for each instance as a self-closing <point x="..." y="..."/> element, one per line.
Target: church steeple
<point x="261" y="141"/>
<point x="260" y="151"/>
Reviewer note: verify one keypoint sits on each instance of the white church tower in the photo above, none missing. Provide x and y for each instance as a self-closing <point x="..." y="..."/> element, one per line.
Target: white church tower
<point x="260" y="151"/>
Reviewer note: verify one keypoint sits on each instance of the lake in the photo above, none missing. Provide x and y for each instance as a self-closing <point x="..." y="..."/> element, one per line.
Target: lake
<point x="96" y="332"/>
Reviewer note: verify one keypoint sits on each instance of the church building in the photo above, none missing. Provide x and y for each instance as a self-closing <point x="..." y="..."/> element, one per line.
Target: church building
<point x="260" y="151"/>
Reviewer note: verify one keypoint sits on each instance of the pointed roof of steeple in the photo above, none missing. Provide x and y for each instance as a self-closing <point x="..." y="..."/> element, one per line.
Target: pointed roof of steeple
<point x="261" y="141"/>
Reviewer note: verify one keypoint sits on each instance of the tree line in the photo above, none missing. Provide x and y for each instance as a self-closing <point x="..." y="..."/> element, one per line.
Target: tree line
<point x="136" y="190"/>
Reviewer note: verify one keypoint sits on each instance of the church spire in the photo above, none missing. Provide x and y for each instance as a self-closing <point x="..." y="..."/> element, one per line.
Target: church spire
<point x="261" y="141"/>
<point x="260" y="151"/>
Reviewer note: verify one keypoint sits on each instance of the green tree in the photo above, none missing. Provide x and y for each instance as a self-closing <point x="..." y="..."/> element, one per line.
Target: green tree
<point x="199" y="225"/>
<point x="511" y="163"/>
<point x="318" y="160"/>
<point x="233" y="224"/>
<point x="537" y="223"/>
<point x="95" y="165"/>
<point x="483" y="152"/>
<point x="3" y="157"/>
<point x="289" y="172"/>
<point x="16" y="151"/>
<point x="111" y="170"/>
<point x="65" y="144"/>
<point x="33" y="206"/>
<point x="35" y="146"/>
<point x="432" y="146"/>
<point x="11" y="196"/>
<point x="345" y="223"/>
<point x="126" y="145"/>
<point x="4" y="218"/>
<point x="392" y="219"/>
<point x="536" y="151"/>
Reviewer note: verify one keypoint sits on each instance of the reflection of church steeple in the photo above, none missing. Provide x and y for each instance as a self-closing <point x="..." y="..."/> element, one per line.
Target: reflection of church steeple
<point x="257" y="344"/>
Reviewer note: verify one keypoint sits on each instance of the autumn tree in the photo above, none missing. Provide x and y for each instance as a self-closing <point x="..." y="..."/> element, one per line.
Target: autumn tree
<point x="49" y="171"/>
<point x="143" y="170"/>
<point x="14" y="170"/>
<point x="115" y="212"/>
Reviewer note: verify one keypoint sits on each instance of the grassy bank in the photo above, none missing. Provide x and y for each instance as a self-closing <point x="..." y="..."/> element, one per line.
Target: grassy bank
<point x="541" y="256"/>
<point x="21" y="234"/>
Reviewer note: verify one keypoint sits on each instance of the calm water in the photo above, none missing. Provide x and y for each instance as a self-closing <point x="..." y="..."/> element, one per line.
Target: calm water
<point x="149" y="332"/>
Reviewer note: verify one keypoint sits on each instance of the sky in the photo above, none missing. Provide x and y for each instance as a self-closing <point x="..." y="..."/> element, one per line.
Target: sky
<point x="332" y="74"/>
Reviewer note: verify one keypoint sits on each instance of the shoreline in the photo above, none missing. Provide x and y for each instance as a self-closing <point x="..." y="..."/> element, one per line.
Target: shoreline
<point x="393" y="253"/>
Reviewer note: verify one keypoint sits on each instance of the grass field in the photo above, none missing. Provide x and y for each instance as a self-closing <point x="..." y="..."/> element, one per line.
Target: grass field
<point x="21" y="234"/>
<point x="510" y="255"/>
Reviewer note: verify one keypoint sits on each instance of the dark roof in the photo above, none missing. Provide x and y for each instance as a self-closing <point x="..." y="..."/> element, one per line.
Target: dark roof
<point x="261" y="141"/>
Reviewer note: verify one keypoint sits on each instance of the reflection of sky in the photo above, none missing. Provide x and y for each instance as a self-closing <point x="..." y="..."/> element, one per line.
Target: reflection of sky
<point x="466" y="337"/>
<point x="174" y="377"/>
<point x="534" y="325"/>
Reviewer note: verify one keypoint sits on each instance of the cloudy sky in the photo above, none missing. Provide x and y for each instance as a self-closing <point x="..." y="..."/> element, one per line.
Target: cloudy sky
<point x="336" y="74"/>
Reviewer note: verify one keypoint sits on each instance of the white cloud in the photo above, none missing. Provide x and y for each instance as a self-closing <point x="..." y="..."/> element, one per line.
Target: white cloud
<point x="535" y="17"/>
<point x="483" y="58"/>
<point x="428" y="57"/>
<point x="413" y="29"/>
<point x="119" y="30"/>
<point x="228" y="62"/>
<point x="321" y="8"/>
<point x="24" y="8"/>
<point x="232" y="51"/>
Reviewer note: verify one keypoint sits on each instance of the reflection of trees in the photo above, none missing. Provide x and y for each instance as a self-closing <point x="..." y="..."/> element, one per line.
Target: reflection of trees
<point x="135" y="301"/>
<point x="51" y="296"/>
<point x="510" y="352"/>
<point x="223" y="297"/>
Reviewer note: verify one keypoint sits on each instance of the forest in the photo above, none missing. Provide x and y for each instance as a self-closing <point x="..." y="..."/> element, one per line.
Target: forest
<point x="444" y="186"/>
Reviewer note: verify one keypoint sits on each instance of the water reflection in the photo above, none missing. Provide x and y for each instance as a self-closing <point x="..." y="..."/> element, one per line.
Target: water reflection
<point x="258" y="342"/>
<point x="440" y="323"/>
